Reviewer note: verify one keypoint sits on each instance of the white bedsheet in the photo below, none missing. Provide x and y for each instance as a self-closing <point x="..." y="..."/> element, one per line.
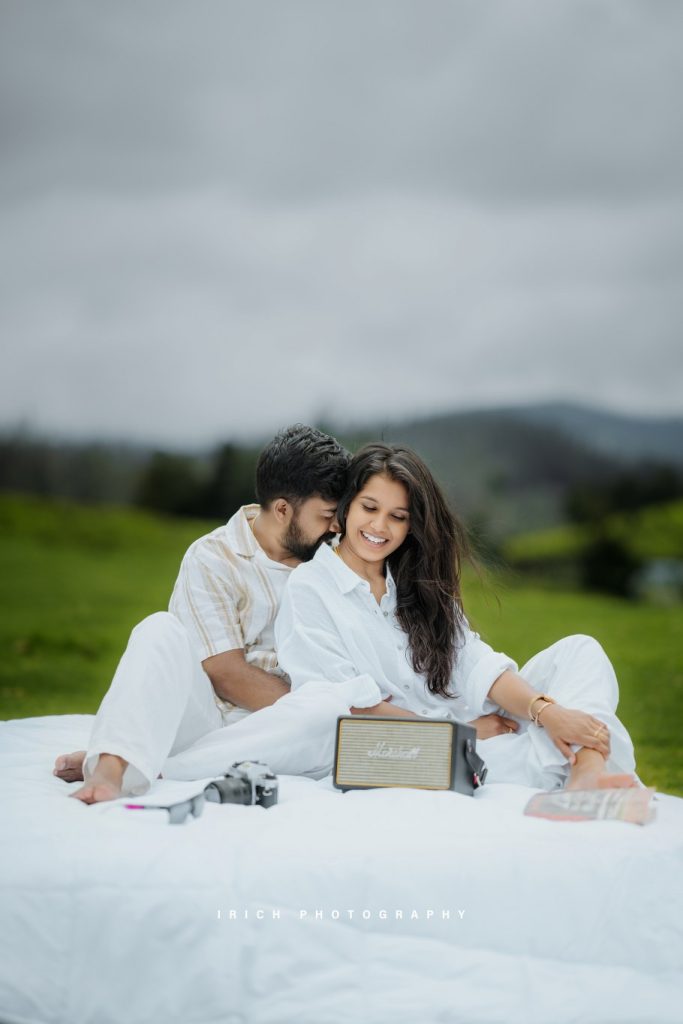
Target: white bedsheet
<point x="113" y="916"/>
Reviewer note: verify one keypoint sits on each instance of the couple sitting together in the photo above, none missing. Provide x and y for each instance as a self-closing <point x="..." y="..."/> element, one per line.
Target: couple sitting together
<point x="273" y="633"/>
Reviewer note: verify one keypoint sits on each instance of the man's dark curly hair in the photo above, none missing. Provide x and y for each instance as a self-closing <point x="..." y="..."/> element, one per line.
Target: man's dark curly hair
<point x="299" y="463"/>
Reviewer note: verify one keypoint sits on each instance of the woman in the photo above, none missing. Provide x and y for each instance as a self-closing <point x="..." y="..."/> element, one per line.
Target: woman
<point x="386" y="603"/>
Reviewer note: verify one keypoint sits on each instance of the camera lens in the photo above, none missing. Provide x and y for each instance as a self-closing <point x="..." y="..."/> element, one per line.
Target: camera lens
<point x="228" y="791"/>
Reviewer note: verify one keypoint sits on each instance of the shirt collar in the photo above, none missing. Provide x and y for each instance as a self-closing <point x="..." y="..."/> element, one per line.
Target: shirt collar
<point x="345" y="578"/>
<point x="240" y="534"/>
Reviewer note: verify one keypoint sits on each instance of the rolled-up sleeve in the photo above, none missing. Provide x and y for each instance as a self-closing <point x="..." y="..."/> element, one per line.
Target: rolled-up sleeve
<point x="476" y="669"/>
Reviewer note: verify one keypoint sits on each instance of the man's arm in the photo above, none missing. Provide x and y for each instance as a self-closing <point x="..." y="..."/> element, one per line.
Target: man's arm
<point x="250" y="687"/>
<point x="242" y="684"/>
<point x="385" y="708"/>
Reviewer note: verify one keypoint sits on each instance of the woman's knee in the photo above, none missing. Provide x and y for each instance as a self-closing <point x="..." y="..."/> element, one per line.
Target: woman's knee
<point x="591" y="659"/>
<point x="582" y="642"/>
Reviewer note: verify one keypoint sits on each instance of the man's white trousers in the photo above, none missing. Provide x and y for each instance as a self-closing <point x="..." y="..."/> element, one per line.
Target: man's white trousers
<point x="160" y="715"/>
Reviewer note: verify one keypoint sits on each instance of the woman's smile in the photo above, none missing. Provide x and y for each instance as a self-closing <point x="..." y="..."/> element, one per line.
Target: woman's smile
<point x="377" y="523"/>
<point x="373" y="540"/>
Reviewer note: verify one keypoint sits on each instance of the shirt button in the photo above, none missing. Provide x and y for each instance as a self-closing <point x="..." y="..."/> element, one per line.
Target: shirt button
<point x="385" y="614"/>
<point x="406" y="686"/>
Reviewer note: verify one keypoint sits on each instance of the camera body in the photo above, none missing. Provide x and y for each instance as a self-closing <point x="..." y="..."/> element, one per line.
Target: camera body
<point x="246" y="782"/>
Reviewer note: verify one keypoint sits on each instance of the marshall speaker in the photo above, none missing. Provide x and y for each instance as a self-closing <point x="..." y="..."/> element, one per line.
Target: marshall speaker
<point x="435" y="753"/>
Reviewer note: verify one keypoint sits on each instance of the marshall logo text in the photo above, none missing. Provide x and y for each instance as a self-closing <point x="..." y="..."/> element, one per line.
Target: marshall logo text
<point x="383" y="750"/>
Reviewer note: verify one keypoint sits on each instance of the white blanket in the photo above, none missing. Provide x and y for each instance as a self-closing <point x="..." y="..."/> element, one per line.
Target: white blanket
<point x="397" y="906"/>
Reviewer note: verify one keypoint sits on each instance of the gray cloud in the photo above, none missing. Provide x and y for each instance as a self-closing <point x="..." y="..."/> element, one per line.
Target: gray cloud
<point x="219" y="217"/>
<point x="496" y="100"/>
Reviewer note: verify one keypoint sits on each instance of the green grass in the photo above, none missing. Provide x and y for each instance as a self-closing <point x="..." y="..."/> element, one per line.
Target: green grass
<point x="74" y="581"/>
<point x="654" y="532"/>
<point x="642" y="641"/>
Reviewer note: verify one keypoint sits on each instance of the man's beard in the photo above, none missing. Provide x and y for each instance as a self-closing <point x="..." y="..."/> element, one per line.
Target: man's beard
<point x="300" y="546"/>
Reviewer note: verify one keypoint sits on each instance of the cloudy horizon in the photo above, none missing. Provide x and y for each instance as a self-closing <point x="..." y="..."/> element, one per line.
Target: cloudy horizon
<point x="222" y="217"/>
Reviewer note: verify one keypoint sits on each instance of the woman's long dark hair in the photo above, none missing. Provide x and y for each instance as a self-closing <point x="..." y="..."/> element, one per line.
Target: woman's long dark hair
<point x="426" y="568"/>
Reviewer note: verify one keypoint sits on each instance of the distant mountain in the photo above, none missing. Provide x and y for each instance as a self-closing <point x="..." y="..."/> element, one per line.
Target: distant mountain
<point x="510" y="470"/>
<point x="506" y="470"/>
<point x="626" y="438"/>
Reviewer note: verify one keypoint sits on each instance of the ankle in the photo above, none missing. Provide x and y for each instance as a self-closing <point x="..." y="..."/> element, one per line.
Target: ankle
<point x="111" y="765"/>
<point x="588" y="759"/>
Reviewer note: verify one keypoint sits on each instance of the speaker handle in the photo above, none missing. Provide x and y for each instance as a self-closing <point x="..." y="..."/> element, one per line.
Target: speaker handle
<point x="476" y="764"/>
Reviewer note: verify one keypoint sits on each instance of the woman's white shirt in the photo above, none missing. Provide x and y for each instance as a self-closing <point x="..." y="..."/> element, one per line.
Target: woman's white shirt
<point x="330" y="627"/>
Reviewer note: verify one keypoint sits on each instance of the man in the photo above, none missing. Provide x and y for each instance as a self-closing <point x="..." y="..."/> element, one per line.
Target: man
<point x="231" y="581"/>
<point x="210" y="663"/>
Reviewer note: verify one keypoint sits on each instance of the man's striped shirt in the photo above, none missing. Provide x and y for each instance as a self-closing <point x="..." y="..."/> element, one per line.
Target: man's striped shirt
<point x="228" y="593"/>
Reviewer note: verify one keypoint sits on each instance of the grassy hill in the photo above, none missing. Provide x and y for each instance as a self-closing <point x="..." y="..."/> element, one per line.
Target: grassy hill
<point x="653" y="532"/>
<point x="74" y="580"/>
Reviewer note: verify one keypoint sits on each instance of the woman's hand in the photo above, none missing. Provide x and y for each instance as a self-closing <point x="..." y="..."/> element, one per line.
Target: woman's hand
<point x="493" y="725"/>
<point x="566" y="727"/>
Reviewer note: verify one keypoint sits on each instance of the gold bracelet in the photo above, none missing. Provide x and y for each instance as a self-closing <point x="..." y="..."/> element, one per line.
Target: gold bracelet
<point x="539" y="696"/>
<point x="541" y="710"/>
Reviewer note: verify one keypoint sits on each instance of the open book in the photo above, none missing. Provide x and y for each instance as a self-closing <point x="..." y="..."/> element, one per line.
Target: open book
<point x="633" y="804"/>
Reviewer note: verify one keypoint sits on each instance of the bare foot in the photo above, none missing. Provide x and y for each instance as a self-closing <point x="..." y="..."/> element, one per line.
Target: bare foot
<point x="70" y="766"/>
<point x="105" y="782"/>
<point x="95" y="792"/>
<point x="588" y="779"/>
<point x="588" y="772"/>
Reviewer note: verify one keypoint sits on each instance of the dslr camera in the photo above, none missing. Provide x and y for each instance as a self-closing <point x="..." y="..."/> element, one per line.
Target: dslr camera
<point x="246" y="782"/>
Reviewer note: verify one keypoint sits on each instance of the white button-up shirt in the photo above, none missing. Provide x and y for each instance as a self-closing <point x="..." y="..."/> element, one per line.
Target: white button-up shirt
<point x="331" y="627"/>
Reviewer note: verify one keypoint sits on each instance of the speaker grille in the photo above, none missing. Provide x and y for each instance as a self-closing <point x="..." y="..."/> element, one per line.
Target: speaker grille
<point x="401" y="753"/>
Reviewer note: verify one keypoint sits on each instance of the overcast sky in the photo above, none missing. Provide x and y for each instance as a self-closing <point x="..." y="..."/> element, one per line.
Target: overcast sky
<point x="221" y="217"/>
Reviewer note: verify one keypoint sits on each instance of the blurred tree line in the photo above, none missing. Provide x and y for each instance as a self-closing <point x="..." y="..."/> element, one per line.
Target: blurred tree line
<point x="211" y="485"/>
<point x="210" y="489"/>
<point x="607" y="563"/>
<point x="207" y="486"/>
<point x="89" y="472"/>
<point x="647" y="483"/>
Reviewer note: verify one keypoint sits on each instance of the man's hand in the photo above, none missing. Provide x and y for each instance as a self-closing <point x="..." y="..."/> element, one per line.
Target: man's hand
<point x="242" y="684"/>
<point x="385" y="708"/>
<point x="493" y="725"/>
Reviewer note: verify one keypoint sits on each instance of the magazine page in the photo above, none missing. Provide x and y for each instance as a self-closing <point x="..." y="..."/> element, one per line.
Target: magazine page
<point x="632" y="805"/>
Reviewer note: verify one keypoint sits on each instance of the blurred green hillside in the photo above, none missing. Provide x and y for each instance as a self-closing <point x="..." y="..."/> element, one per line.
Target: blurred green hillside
<point x="653" y="532"/>
<point x="75" y="580"/>
<point x="506" y="470"/>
